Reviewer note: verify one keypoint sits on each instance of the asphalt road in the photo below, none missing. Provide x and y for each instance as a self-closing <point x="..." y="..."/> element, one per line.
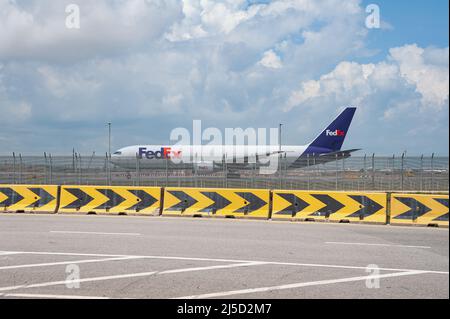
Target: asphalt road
<point x="59" y="256"/>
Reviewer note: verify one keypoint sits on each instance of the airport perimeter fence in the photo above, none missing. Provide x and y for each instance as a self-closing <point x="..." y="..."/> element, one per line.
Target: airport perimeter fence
<point x="359" y="173"/>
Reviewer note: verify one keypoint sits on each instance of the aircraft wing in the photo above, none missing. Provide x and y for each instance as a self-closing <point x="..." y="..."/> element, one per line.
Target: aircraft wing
<point x="243" y="162"/>
<point x="340" y="154"/>
<point x="304" y="161"/>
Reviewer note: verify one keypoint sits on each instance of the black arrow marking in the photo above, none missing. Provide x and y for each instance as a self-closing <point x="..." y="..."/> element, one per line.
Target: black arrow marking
<point x="220" y="202"/>
<point x="297" y="204"/>
<point x="442" y="201"/>
<point x="43" y="197"/>
<point x="416" y="208"/>
<point x="144" y="199"/>
<point x="252" y="203"/>
<point x="369" y="207"/>
<point x="114" y="199"/>
<point x="442" y="218"/>
<point x="82" y="198"/>
<point x="13" y="196"/>
<point x="332" y="205"/>
<point x="186" y="201"/>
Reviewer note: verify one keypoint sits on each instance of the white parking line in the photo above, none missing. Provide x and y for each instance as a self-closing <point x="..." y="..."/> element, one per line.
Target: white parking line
<point x="51" y="296"/>
<point x="85" y="261"/>
<point x="4" y="253"/>
<point x="381" y="245"/>
<point x="92" y="233"/>
<point x="298" y="285"/>
<point x="64" y="254"/>
<point x="174" y="271"/>
<point x="123" y="276"/>
<point x="63" y="282"/>
<point x="232" y="261"/>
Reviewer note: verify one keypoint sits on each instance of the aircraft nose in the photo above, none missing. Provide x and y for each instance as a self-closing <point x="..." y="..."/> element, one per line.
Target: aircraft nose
<point x="116" y="155"/>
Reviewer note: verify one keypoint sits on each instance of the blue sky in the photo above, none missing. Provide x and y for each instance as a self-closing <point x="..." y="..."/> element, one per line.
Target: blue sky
<point x="150" y="66"/>
<point x="416" y="21"/>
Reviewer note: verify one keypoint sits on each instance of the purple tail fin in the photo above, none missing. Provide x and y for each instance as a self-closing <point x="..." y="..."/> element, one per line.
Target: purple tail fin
<point x="332" y="138"/>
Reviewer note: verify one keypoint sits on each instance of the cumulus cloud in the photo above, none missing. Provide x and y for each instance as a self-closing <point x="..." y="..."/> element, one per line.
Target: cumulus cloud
<point x="406" y="68"/>
<point x="271" y="60"/>
<point x="403" y="101"/>
<point x="207" y="18"/>
<point x="150" y="65"/>
<point x="61" y="84"/>
<point x="427" y="70"/>
<point x="36" y="30"/>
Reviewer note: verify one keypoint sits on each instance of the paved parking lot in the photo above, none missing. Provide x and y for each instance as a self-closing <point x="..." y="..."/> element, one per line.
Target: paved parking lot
<point x="61" y="256"/>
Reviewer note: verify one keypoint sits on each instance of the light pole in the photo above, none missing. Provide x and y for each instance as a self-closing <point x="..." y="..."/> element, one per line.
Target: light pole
<point x="109" y="153"/>
<point x="279" y="136"/>
<point x="280" y="156"/>
<point x="109" y="139"/>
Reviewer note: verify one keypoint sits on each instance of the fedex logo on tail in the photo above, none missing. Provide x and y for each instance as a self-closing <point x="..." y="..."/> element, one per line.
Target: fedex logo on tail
<point x="335" y="133"/>
<point x="164" y="153"/>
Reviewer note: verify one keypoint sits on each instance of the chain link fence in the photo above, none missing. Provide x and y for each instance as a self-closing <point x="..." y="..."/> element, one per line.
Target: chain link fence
<point x="364" y="173"/>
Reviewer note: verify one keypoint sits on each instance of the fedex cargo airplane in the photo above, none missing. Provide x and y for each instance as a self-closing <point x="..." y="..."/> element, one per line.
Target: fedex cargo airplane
<point x="211" y="158"/>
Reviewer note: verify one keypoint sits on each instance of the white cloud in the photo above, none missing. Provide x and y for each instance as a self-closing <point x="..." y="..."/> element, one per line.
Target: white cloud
<point x="208" y="18"/>
<point x="61" y="84"/>
<point x="406" y="68"/>
<point x="309" y="90"/>
<point x="36" y="30"/>
<point x="271" y="60"/>
<point x="429" y="78"/>
<point x="155" y="63"/>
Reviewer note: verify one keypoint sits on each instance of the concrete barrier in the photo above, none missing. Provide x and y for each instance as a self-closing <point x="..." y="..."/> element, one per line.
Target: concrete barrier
<point x="110" y="200"/>
<point x="28" y="198"/>
<point x="239" y="203"/>
<point x="419" y="209"/>
<point x="329" y="206"/>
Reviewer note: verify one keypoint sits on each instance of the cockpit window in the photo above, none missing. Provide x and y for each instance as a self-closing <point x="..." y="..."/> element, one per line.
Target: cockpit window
<point x="118" y="153"/>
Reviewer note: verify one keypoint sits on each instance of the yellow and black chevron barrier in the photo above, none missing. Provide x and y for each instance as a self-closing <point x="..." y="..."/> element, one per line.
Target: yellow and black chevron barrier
<point x="411" y="209"/>
<point x="110" y="200"/>
<point x="216" y="202"/>
<point x="28" y="198"/>
<point x="419" y="209"/>
<point x="331" y="206"/>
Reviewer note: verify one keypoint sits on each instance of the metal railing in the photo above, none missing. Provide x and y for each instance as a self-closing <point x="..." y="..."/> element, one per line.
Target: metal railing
<point x="368" y="173"/>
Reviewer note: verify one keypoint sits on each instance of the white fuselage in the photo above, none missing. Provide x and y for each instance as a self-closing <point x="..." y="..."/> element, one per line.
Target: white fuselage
<point x="161" y="156"/>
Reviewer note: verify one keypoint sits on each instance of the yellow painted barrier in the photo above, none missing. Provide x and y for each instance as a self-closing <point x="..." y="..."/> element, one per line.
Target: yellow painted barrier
<point x="216" y="202"/>
<point x="411" y="209"/>
<point x="419" y="209"/>
<point x="28" y="198"/>
<point x="110" y="200"/>
<point x="331" y="206"/>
